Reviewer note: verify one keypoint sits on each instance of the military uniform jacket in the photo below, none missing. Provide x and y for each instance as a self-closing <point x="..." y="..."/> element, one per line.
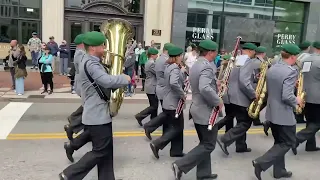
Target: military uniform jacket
<point x="173" y="91"/>
<point x="96" y="110"/>
<point x="241" y="91"/>
<point x="204" y="90"/>
<point x="281" y="80"/>
<point x="160" y="66"/>
<point x="312" y="79"/>
<point x="151" y="79"/>
<point x="256" y="70"/>
<point x="78" y="55"/>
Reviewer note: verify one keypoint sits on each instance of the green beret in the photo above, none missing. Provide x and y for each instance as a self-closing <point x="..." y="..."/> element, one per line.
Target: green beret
<point x="249" y="46"/>
<point x="304" y="45"/>
<point x="166" y="46"/>
<point x="316" y="44"/>
<point x="261" y="49"/>
<point x="79" y="39"/>
<point x="291" y="49"/>
<point x="227" y="57"/>
<point x="175" y="51"/>
<point x="208" y="45"/>
<point x="94" y="38"/>
<point x="153" y="51"/>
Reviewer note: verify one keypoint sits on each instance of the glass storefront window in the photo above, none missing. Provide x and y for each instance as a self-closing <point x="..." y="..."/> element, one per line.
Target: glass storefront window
<point x="9" y="2"/>
<point x="266" y="3"/>
<point x="246" y="2"/>
<point x="76" y="29"/>
<point x="8" y="11"/>
<point x="30" y="3"/>
<point x="286" y="32"/>
<point x="27" y="28"/>
<point x="33" y="13"/>
<point x="8" y="30"/>
<point x="289" y="11"/>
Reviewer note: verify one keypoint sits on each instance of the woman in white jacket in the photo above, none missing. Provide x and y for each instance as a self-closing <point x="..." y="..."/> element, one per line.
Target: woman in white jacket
<point x="191" y="57"/>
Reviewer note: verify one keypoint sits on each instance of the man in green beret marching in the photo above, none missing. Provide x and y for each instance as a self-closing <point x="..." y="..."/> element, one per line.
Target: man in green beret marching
<point x="204" y="92"/>
<point x="281" y="79"/>
<point x="96" y="117"/>
<point x="311" y="72"/>
<point x="240" y="79"/>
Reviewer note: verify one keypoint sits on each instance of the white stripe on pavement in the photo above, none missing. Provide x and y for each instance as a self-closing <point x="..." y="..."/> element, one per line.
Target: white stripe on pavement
<point x="10" y="116"/>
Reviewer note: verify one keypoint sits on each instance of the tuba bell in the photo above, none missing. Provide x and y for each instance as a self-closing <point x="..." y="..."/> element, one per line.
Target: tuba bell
<point x="117" y="32"/>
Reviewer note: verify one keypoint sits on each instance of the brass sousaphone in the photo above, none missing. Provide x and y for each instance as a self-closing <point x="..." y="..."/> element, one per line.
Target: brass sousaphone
<point x="118" y="32"/>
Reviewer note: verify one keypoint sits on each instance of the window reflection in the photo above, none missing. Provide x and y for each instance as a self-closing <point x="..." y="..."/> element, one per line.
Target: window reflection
<point x="290" y="11"/>
<point x="27" y="28"/>
<point x="8" y="30"/>
<point x="247" y="2"/>
<point x="9" y="2"/>
<point x="30" y="3"/>
<point x="8" y="11"/>
<point x="33" y="13"/>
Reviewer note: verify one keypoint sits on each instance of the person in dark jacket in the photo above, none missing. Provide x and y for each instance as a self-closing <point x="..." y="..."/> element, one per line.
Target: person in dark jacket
<point x="54" y="49"/>
<point x="64" y="58"/>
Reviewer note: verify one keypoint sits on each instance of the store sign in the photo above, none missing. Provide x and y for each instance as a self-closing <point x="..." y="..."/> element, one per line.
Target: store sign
<point x="285" y="38"/>
<point x="156" y="32"/>
<point x="199" y="34"/>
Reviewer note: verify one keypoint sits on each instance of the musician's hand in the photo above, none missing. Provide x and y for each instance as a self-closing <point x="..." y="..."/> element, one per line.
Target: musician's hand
<point x="128" y="78"/>
<point x="183" y="69"/>
<point x="218" y="83"/>
<point x="297" y="83"/>
<point x="300" y="102"/>
<point x="221" y="106"/>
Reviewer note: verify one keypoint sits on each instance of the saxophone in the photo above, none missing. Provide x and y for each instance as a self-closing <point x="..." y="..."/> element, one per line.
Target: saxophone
<point x="117" y="32"/>
<point x="300" y="92"/>
<point x="255" y="107"/>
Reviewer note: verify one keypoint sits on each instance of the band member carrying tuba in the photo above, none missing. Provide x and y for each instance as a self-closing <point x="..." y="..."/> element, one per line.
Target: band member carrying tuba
<point x="204" y="99"/>
<point x="241" y="93"/>
<point x="173" y="92"/>
<point x="150" y="87"/>
<point x="281" y="79"/>
<point x="311" y="72"/>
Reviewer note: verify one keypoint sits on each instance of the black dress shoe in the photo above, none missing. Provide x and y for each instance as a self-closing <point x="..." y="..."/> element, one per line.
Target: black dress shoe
<point x="294" y="149"/>
<point x="147" y="133"/>
<point x="155" y="150"/>
<point x="176" y="171"/>
<point x="139" y="121"/>
<point x="287" y="174"/>
<point x="312" y="150"/>
<point x="212" y="176"/>
<point x="265" y="128"/>
<point x="177" y="155"/>
<point x="244" y="150"/>
<point x="223" y="147"/>
<point x="62" y="177"/>
<point x="69" y="151"/>
<point x="69" y="132"/>
<point x="257" y="170"/>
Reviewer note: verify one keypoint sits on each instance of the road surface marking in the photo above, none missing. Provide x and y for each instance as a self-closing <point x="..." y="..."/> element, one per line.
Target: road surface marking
<point x="10" y="116"/>
<point x="115" y="134"/>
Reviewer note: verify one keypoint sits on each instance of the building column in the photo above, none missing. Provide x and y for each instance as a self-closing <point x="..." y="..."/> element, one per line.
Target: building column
<point x="209" y="19"/>
<point x="52" y="20"/>
<point x="179" y="22"/>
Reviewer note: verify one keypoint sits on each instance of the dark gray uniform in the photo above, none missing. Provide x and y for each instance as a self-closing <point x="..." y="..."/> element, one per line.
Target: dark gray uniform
<point x="150" y="88"/>
<point x="204" y="99"/>
<point x="281" y="80"/>
<point x="312" y="107"/>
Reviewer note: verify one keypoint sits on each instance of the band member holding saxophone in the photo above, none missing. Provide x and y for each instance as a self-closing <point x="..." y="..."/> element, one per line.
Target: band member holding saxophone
<point x="281" y="79"/>
<point x="150" y="87"/>
<point x="96" y="115"/>
<point x="241" y="93"/>
<point x="204" y="99"/>
<point x="160" y="66"/>
<point x="173" y="92"/>
<point x="75" y="119"/>
<point x="311" y="72"/>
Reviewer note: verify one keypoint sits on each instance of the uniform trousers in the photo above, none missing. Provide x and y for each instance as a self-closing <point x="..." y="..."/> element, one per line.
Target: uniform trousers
<point x="239" y="132"/>
<point x="284" y="140"/>
<point x="173" y="133"/>
<point x="312" y="126"/>
<point x="75" y="120"/>
<point x="156" y="122"/>
<point x="101" y="154"/>
<point x="200" y="156"/>
<point x="151" y="110"/>
<point x="227" y="121"/>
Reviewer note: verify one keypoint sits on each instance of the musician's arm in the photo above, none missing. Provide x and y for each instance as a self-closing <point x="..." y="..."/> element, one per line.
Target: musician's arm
<point x="206" y="90"/>
<point x="288" y="96"/>
<point x="174" y="82"/>
<point x="245" y="83"/>
<point x="153" y="68"/>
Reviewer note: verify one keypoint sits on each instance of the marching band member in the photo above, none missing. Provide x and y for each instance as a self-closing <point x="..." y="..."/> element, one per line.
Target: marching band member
<point x="173" y="92"/>
<point x="281" y="79"/>
<point x="160" y="66"/>
<point x="95" y="117"/>
<point x="311" y="67"/>
<point x="204" y="99"/>
<point x="150" y="87"/>
<point x="241" y="93"/>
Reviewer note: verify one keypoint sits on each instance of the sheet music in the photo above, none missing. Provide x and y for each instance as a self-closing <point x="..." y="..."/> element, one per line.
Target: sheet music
<point x="306" y="67"/>
<point x="241" y="60"/>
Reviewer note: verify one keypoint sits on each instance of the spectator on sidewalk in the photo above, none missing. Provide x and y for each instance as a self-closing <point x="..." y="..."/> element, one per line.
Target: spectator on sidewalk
<point x="13" y="55"/>
<point x="41" y="53"/>
<point x="138" y="51"/>
<point x="20" y="70"/>
<point x="64" y="57"/>
<point x="54" y="49"/>
<point x="142" y="61"/>
<point x="129" y="65"/>
<point x="46" y="70"/>
<point x="34" y="46"/>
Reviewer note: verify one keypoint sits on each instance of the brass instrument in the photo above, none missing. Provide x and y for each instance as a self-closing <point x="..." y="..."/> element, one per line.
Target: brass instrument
<point x="261" y="90"/>
<point x="117" y="32"/>
<point x="300" y="92"/>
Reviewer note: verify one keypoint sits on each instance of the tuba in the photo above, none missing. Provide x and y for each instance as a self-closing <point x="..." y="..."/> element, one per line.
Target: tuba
<point x="117" y="32"/>
<point x="261" y="89"/>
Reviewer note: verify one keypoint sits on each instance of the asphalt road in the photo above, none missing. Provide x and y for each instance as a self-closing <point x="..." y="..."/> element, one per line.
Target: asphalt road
<point x="33" y="147"/>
